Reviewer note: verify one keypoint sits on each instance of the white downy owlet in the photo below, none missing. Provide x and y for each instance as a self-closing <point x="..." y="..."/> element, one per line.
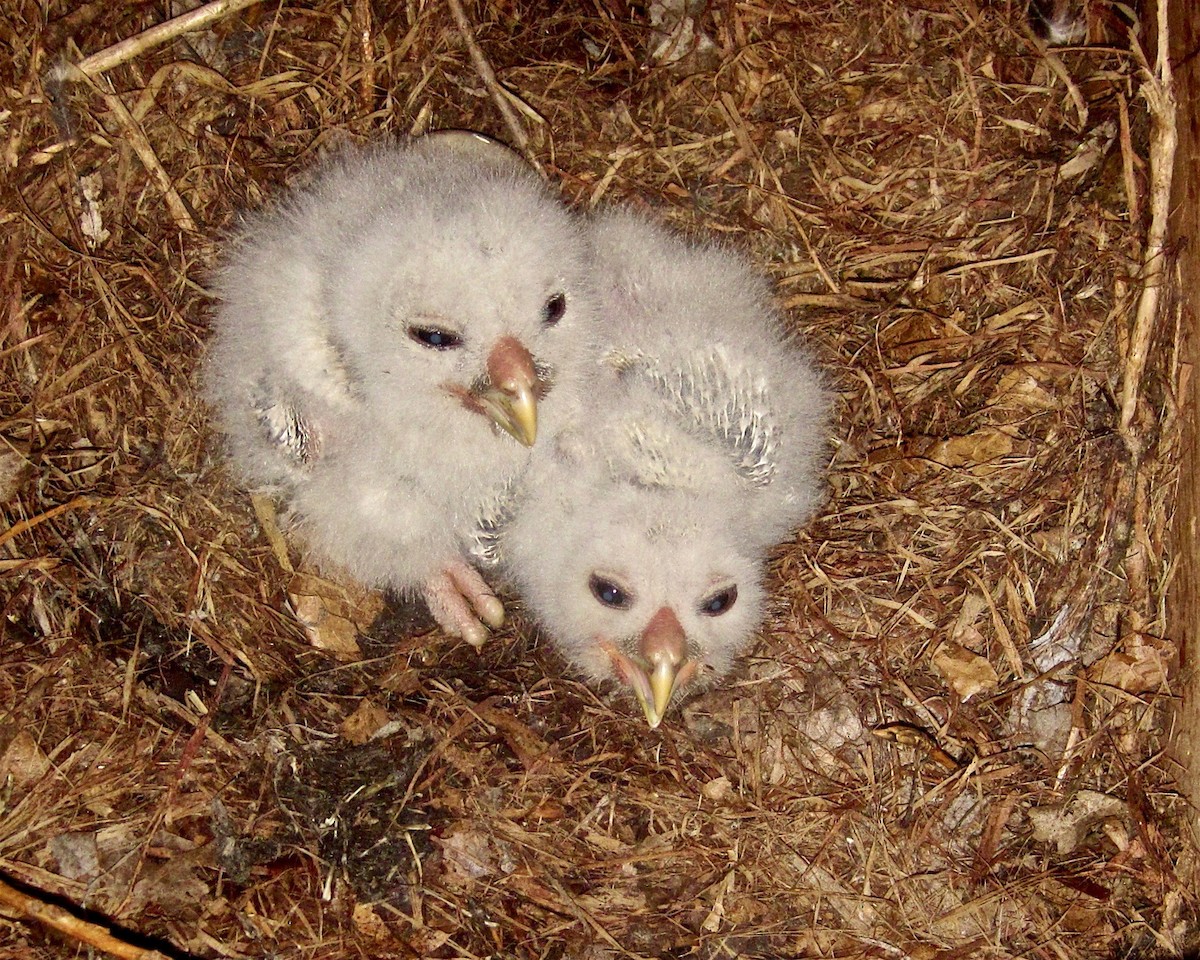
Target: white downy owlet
<point x="639" y="533"/>
<point x="388" y="338"/>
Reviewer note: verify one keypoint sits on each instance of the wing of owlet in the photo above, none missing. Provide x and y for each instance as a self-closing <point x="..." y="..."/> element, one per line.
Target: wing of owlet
<point x="287" y="428"/>
<point x="717" y="401"/>
<point x="493" y="512"/>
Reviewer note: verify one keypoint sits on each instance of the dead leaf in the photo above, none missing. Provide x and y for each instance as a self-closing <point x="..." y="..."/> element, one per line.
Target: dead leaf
<point x="172" y="886"/>
<point x="834" y="726"/>
<point x="368" y="922"/>
<point x="967" y="673"/>
<point x="533" y="750"/>
<point x="471" y="855"/>
<point x="77" y="855"/>
<point x="1091" y="152"/>
<point x="716" y="915"/>
<point x="1021" y="389"/>
<point x="546" y="809"/>
<point x="325" y="630"/>
<point x="363" y="723"/>
<point x="971" y="449"/>
<point x="1140" y="666"/>
<point x="15" y="473"/>
<point x="91" y="220"/>
<point x="982" y="452"/>
<point x="24" y="760"/>
<point x="719" y="788"/>
<point x="332" y="615"/>
<point x="675" y="34"/>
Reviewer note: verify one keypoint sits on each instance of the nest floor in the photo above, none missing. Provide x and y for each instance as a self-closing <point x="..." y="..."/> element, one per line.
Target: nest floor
<point x="949" y="740"/>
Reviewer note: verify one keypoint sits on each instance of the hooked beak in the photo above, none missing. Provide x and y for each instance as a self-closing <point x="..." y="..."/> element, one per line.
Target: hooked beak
<point x="663" y="680"/>
<point x="510" y="400"/>
<point x="662" y="667"/>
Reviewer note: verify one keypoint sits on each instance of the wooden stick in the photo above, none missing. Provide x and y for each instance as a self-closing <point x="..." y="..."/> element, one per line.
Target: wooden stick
<point x="156" y="36"/>
<point x="488" y="76"/>
<point x="1159" y="91"/>
<point x="360" y="23"/>
<point x="83" y="931"/>
<point x="145" y="152"/>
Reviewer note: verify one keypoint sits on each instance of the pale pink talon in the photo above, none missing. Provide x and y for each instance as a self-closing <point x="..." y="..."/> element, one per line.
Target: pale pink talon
<point x="459" y="598"/>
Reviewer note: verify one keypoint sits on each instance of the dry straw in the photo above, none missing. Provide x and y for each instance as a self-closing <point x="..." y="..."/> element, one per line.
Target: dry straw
<point x="948" y="742"/>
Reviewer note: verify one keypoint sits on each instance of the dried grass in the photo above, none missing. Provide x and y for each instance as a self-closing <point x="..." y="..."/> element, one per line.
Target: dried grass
<point x="948" y="742"/>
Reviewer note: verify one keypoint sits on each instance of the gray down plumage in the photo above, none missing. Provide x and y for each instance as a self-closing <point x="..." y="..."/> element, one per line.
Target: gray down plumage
<point x="639" y="533"/>
<point x="377" y="327"/>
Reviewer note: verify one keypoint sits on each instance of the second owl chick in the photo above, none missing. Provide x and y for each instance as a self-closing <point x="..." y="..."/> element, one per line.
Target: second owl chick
<point x="641" y="529"/>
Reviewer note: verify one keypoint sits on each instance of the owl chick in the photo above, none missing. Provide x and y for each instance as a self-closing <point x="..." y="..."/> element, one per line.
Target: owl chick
<point x="638" y="538"/>
<point x="387" y="339"/>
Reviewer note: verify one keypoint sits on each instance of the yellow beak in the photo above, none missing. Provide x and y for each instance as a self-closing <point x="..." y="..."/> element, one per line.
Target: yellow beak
<point x="654" y="687"/>
<point x="511" y="398"/>
<point x="661" y="682"/>
<point x="513" y="407"/>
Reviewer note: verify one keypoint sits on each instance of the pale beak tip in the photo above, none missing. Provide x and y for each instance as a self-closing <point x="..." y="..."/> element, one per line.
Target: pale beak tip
<point x="653" y="716"/>
<point x="514" y="410"/>
<point x="662" y="685"/>
<point x="522" y="411"/>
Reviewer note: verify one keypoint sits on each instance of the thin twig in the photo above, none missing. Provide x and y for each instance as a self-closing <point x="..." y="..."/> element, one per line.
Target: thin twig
<point x="141" y="146"/>
<point x="1159" y="91"/>
<point x="488" y="76"/>
<point x="360" y="20"/>
<point x="156" y="36"/>
<point x="19" y="528"/>
<point x="959" y="269"/>
<point x="82" y="931"/>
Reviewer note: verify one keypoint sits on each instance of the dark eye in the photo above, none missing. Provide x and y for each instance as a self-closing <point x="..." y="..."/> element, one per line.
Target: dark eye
<point x="719" y="602"/>
<point x="554" y="309"/>
<point x="609" y="594"/>
<point x="433" y="337"/>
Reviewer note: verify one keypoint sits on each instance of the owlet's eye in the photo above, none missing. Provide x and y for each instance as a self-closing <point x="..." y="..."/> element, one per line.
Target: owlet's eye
<point x="554" y="309"/>
<point x="720" y="602"/>
<point x="435" y="337"/>
<point x="608" y="593"/>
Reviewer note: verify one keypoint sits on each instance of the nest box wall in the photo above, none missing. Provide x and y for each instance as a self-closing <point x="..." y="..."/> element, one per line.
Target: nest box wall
<point x="1185" y="241"/>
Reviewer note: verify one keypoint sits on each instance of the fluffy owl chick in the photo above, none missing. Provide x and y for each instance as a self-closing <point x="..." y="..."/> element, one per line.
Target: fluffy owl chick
<point x="626" y="547"/>
<point x="638" y="539"/>
<point x="388" y="336"/>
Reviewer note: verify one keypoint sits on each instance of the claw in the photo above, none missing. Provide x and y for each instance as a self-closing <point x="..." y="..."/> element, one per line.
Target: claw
<point x="459" y="599"/>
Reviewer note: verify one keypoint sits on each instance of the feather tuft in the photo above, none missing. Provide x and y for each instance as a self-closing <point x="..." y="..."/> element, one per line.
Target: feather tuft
<point x="485" y="544"/>
<point x="718" y="400"/>
<point x="287" y="428"/>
